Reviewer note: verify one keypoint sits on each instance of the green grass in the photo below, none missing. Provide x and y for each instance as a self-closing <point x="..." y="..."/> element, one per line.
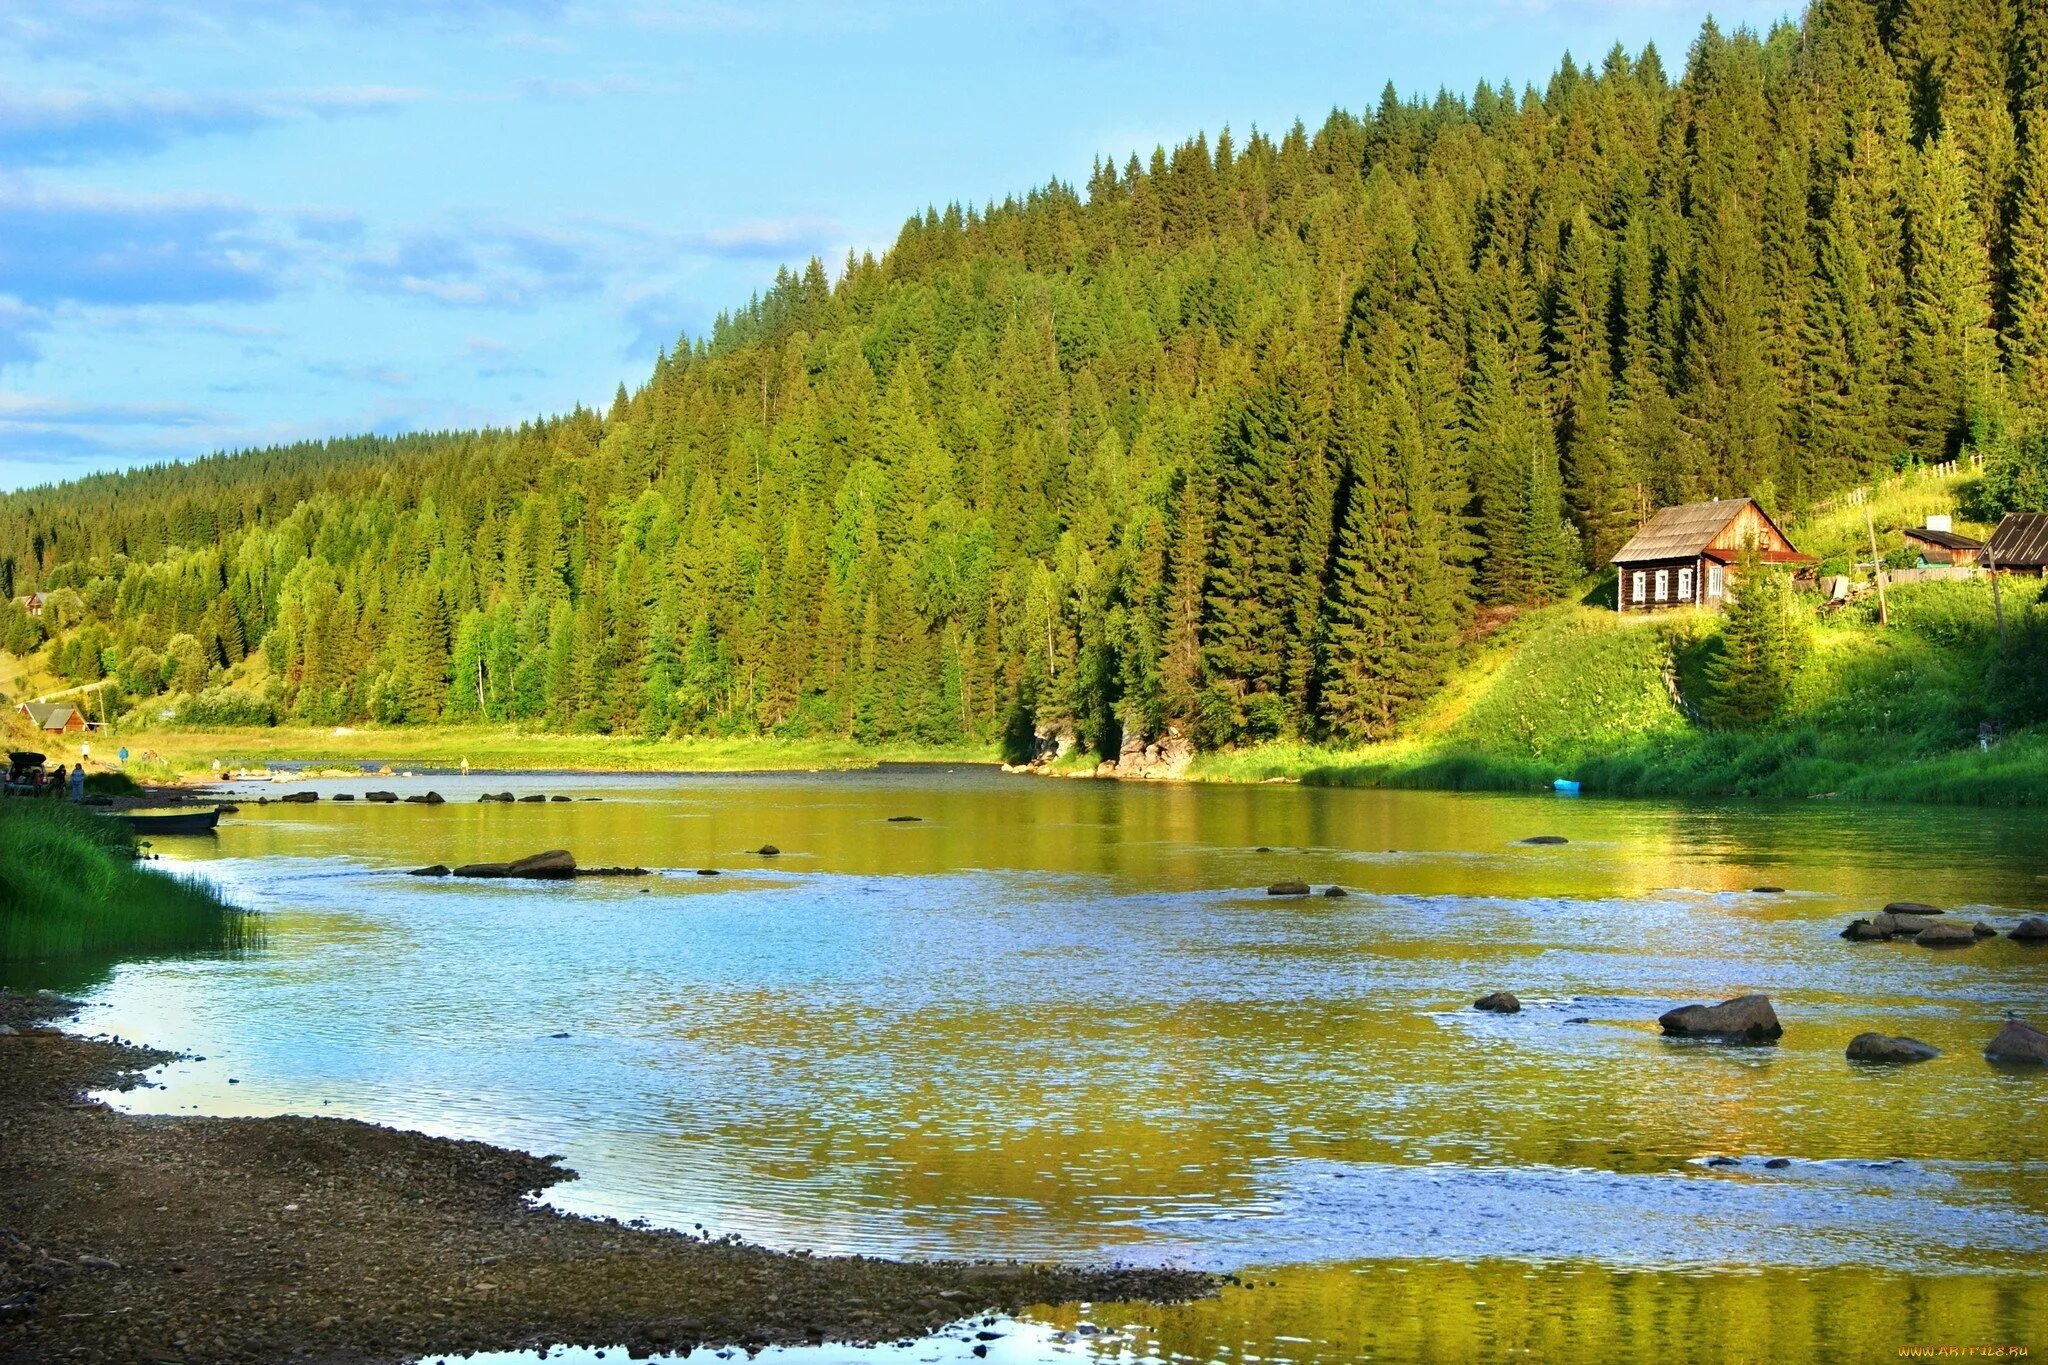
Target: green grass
<point x="70" y="884"/>
<point x="486" y="747"/>
<point x="1876" y="714"/>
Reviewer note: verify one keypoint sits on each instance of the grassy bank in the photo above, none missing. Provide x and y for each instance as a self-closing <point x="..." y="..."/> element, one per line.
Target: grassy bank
<point x="191" y="752"/>
<point x="1878" y="714"/>
<point x="70" y="884"/>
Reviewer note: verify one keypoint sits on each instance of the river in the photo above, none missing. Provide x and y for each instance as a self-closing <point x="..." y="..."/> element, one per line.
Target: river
<point x="1064" y="1020"/>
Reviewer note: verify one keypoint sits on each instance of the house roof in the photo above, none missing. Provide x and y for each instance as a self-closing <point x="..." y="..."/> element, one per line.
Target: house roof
<point x="1682" y="532"/>
<point x="49" y="715"/>
<point x="2021" y="541"/>
<point x="1947" y="540"/>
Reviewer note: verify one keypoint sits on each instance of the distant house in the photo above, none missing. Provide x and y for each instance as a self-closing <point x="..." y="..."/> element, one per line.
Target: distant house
<point x="1685" y="556"/>
<point x="54" y="717"/>
<point x="32" y="603"/>
<point x="2020" y="544"/>
<point x="1938" y="543"/>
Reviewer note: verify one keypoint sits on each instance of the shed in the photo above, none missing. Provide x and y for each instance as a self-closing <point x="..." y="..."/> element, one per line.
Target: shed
<point x="32" y="603"/>
<point x="2020" y="544"/>
<point x="54" y="717"/>
<point x="1940" y="545"/>
<point x="1686" y="556"/>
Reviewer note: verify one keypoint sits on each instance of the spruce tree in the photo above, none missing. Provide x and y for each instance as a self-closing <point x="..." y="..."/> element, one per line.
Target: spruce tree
<point x="1763" y="639"/>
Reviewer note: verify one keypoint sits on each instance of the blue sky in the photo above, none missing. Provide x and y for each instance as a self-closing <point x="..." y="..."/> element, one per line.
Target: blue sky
<point x="234" y="222"/>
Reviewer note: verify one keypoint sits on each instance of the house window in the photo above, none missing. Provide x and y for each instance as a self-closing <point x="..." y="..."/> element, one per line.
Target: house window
<point x="1635" y="588"/>
<point x="1663" y="584"/>
<point x="1685" y="585"/>
<point x="1714" y="585"/>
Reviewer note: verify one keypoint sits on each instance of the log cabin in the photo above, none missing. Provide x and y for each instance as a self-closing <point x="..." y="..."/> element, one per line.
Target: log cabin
<point x="1938" y="542"/>
<point x="1686" y="556"/>
<point x="2020" y="544"/>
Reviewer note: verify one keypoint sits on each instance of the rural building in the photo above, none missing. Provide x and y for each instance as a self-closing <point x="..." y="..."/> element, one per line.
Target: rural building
<point x="32" y="603"/>
<point x="1938" y="543"/>
<point x="1686" y="556"/>
<point x="2020" y="544"/>
<point x="55" y="717"/>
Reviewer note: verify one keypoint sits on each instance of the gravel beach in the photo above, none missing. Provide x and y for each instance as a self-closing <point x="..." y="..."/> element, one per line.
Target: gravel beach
<point x="204" y="1239"/>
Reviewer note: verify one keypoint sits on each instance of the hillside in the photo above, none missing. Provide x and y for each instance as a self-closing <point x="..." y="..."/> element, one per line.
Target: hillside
<point x="1243" y="438"/>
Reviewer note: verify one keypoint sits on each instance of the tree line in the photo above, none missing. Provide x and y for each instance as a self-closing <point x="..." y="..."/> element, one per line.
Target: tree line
<point x="1239" y="438"/>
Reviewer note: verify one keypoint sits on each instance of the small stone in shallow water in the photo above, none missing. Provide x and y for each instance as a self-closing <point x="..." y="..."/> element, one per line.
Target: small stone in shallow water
<point x="1545" y="839"/>
<point x="1877" y="1047"/>
<point x="1777" y="1163"/>
<point x="2031" y="930"/>
<point x="1287" y="889"/>
<point x="1768" y="890"/>
<point x="707" y="872"/>
<point x="905" y="819"/>
<point x="1720" y="1161"/>
<point x="1335" y="892"/>
<point x="1746" y="1018"/>
<point x="768" y="850"/>
<point x="1499" y="1002"/>
<point x="1948" y="935"/>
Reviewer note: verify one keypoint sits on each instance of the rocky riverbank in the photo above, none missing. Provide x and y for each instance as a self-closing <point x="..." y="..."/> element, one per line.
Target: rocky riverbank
<point x="197" y="1239"/>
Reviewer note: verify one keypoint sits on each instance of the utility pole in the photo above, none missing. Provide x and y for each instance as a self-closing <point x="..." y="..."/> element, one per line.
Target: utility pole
<point x="1997" y="603"/>
<point x="1884" y="614"/>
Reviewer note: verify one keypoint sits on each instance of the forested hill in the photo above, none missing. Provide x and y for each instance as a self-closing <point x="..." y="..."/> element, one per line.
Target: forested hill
<point x="1240" y="437"/>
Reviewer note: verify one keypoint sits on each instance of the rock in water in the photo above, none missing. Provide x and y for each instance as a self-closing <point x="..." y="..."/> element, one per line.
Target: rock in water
<point x="2033" y="930"/>
<point x="558" y="797"/>
<point x="1949" y="935"/>
<point x="1768" y="890"/>
<point x="431" y="870"/>
<point x="554" y="865"/>
<point x="1983" y="930"/>
<point x="1912" y="908"/>
<point x="1500" y="1002"/>
<point x="425" y="799"/>
<point x="1877" y="1047"/>
<point x="536" y="797"/>
<point x="768" y="850"/>
<point x="555" y="862"/>
<point x="300" y="796"/>
<point x="1863" y="931"/>
<point x="1746" y="1018"/>
<point x="344" y="796"/>
<point x="905" y="819"/>
<point x="1546" y="839"/>
<point x="2019" y="1043"/>
<point x="381" y="798"/>
<point x="1287" y="889"/>
<point x="1335" y="892"/>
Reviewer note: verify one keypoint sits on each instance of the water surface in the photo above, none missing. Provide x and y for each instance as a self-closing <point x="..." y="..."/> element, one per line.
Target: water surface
<point x="1063" y="1019"/>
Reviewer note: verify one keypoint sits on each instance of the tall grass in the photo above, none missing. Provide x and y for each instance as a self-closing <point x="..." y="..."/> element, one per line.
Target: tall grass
<point x="70" y="884"/>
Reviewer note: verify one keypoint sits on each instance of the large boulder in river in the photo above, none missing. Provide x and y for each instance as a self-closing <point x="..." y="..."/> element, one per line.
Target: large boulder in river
<point x="1912" y="908"/>
<point x="2032" y="930"/>
<point x="1877" y="1047"/>
<point x="1948" y="934"/>
<point x="381" y="798"/>
<point x="1499" y="1002"/>
<point x="1864" y="931"/>
<point x="1746" y="1018"/>
<point x="554" y="865"/>
<point x="300" y="796"/>
<point x="426" y="799"/>
<point x="2020" y="1043"/>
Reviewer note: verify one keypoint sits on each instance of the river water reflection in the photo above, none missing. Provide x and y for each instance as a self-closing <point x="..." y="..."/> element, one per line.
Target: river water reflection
<point x="1063" y="1019"/>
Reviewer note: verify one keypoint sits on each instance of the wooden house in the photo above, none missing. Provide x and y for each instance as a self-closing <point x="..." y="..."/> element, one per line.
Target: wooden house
<point x="2020" y="544"/>
<point x="54" y="717"/>
<point x="1686" y="556"/>
<point x="31" y="603"/>
<point x="1939" y="543"/>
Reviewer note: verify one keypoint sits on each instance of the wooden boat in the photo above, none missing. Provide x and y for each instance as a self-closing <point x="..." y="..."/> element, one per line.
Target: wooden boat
<point x="172" y="822"/>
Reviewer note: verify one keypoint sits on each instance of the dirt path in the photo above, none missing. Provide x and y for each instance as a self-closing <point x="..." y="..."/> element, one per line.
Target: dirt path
<point x="144" y="1238"/>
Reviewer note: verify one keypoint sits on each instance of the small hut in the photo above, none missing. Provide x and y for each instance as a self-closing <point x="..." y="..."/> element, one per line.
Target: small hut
<point x="54" y="717"/>
<point x="1939" y="543"/>
<point x="2020" y="544"/>
<point x="1686" y="556"/>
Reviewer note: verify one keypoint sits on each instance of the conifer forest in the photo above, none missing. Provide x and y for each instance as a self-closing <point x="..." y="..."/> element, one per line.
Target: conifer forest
<point x="1242" y="437"/>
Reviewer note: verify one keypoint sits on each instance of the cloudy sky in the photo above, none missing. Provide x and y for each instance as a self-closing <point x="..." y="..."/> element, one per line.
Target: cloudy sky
<point x="234" y="222"/>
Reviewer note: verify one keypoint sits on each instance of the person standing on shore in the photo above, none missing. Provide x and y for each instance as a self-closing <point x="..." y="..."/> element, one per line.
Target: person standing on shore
<point x="78" y="783"/>
<point x="84" y="752"/>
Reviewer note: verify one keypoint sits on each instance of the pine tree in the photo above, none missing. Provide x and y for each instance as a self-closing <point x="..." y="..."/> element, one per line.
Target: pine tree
<point x="1763" y="642"/>
<point x="1949" y="369"/>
